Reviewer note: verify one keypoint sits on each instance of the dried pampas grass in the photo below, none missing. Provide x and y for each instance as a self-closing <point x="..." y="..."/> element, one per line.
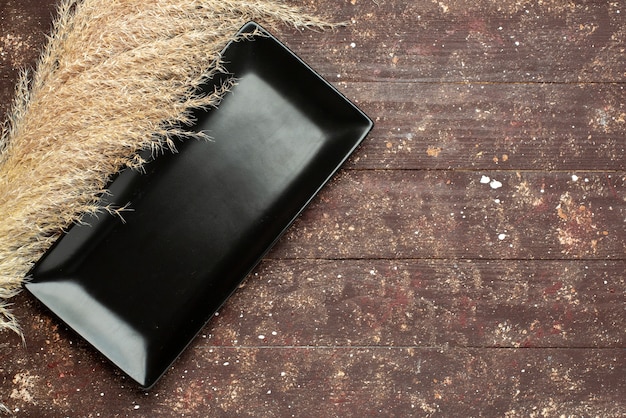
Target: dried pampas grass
<point x="116" y="77"/>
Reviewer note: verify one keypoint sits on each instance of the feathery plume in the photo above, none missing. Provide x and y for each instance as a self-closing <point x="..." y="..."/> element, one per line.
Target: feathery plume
<point x="115" y="77"/>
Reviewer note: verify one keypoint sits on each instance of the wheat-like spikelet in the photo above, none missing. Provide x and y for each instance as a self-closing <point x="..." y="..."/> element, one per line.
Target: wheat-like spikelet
<point x="117" y="76"/>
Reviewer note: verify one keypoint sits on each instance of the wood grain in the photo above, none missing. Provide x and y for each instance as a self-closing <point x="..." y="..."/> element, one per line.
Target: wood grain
<point x="510" y="126"/>
<point x="457" y="214"/>
<point x="334" y="382"/>
<point x="470" y="41"/>
<point x="427" y="303"/>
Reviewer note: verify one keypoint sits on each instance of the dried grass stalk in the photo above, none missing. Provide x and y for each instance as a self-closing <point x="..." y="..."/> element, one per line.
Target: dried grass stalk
<point x="116" y="77"/>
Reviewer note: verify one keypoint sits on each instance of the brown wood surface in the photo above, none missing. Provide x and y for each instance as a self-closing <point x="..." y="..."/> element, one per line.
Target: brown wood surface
<point x="468" y="260"/>
<point x="504" y="126"/>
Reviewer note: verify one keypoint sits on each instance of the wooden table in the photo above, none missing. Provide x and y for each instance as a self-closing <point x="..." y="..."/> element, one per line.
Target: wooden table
<point x="469" y="260"/>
